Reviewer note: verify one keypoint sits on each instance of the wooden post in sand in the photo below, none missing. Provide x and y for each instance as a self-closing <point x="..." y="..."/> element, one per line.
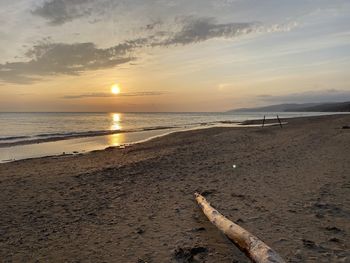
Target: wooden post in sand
<point x="263" y="122"/>
<point x="252" y="246"/>
<point x="278" y="118"/>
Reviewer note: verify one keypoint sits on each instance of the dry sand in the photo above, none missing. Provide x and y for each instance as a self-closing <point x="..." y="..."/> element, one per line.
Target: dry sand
<point x="290" y="187"/>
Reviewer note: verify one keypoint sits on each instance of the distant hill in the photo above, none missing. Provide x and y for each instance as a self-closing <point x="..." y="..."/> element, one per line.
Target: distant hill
<point x="304" y="107"/>
<point x="327" y="107"/>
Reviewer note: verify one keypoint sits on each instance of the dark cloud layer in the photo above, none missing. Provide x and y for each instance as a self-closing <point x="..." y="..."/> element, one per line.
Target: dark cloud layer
<point x="108" y="95"/>
<point x="45" y="58"/>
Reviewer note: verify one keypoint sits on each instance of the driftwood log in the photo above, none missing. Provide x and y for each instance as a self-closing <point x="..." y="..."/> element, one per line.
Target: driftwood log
<point x="252" y="246"/>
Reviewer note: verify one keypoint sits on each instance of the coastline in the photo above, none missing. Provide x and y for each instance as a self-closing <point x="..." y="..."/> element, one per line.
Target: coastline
<point x="109" y="141"/>
<point x="86" y="144"/>
<point x="290" y="187"/>
<point x="57" y="137"/>
<point x="16" y="148"/>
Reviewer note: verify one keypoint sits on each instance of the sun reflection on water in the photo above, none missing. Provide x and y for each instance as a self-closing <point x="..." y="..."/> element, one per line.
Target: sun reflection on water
<point x="118" y="138"/>
<point x="116" y="117"/>
<point x="116" y="127"/>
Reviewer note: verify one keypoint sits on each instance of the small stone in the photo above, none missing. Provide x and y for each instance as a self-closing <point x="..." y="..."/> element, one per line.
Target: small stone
<point x="140" y="231"/>
<point x="333" y="229"/>
<point x="197" y="229"/>
<point x="187" y="255"/>
<point x="334" y="239"/>
<point x="309" y="243"/>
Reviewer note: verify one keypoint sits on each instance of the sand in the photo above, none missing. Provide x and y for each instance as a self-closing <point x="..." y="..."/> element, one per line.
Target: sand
<point x="290" y="187"/>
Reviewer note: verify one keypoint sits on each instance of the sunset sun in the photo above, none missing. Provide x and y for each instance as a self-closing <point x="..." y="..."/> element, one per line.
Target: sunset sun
<point x="115" y="89"/>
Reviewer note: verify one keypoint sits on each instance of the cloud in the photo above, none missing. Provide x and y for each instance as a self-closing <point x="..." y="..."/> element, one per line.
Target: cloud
<point x="109" y="95"/>
<point x="58" y="12"/>
<point x="331" y="95"/>
<point x="47" y="59"/>
<point x="69" y="59"/>
<point x="198" y="30"/>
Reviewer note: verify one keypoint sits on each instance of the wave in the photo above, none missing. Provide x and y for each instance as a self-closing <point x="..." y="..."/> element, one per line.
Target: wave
<point x="13" y="138"/>
<point x="58" y="136"/>
<point x="50" y="137"/>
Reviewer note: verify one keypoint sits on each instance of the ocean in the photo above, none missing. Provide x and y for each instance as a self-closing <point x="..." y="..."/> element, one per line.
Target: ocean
<point x="30" y="135"/>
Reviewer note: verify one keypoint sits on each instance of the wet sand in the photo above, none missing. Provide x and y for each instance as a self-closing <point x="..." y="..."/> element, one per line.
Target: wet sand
<point x="290" y="187"/>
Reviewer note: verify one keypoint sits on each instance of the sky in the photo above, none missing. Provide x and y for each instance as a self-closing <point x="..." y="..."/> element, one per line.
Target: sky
<point x="172" y="55"/>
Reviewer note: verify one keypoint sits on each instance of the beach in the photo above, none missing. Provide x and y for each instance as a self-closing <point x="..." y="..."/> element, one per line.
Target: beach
<point x="289" y="186"/>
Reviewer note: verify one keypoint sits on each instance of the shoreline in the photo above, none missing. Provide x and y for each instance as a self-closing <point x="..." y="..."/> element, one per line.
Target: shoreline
<point x="229" y="124"/>
<point x="288" y="186"/>
<point x="156" y="134"/>
<point x="11" y="141"/>
<point x="123" y="145"/>
<point x="76" y="136"/>
<point x="8" y="150"/>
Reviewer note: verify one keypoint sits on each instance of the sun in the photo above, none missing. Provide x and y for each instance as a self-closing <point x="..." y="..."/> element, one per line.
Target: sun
<point x="115" y="89"/>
